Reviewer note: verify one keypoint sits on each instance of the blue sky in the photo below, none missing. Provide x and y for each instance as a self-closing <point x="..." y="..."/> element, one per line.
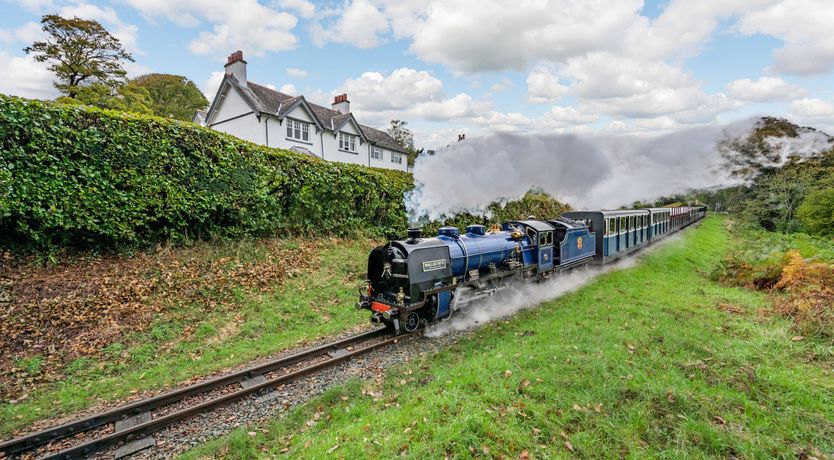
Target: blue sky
<point x="477" y="67"/>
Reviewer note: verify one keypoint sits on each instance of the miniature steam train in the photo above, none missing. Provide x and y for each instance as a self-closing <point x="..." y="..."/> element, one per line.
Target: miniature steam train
<point x="420" y="279"/>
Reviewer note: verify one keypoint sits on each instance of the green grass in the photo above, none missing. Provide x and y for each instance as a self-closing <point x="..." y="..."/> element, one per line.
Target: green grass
<point x="639" y="363"/>
<point x="316" y="303"/>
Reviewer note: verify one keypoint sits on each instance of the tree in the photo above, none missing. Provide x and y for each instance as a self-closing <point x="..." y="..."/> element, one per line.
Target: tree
<point x="817" y="212"/>
<point x="171" y="96"/>
<point x="126" y="98"/>
<point x="398" y="129"/>
<point x="80" y="51"/>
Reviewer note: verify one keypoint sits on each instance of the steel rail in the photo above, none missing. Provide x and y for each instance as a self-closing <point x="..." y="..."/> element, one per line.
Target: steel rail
<point x="90" y="447"/>
<point x="32" y="440"/>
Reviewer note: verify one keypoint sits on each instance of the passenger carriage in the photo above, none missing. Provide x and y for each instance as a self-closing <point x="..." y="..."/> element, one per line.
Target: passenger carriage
<point x="617" y="233"/>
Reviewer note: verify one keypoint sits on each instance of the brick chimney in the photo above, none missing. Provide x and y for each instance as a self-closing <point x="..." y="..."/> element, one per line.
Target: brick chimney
<point x="237" y="66"/>
<point x="341" y="103"/>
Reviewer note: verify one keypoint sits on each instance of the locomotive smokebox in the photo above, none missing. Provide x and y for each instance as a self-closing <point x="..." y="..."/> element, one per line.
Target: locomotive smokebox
<point x="414" y="234"/>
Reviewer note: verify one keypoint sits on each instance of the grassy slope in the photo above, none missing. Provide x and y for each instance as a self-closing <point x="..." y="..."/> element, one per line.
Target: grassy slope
<point x="314" y="304"/>
<point x="642" y="362"/>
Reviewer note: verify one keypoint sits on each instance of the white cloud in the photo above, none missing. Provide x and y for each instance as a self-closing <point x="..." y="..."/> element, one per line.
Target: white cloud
<point x="23" y="76"/>
<point x="543" y="87"/>
<point x="304" y="8"/>
<point x="812" y="108"/>
<point x="360" y="24"/>
<point x="27" y="33"/>
<point x="561" y="117"/>
<point x="504" y="121"/>
<point x="236" y="24"/>
<point x="296" y="72"/>
<point x="288" y="88"/>
<point x="501" y="86"/>
<point x="805" y="28"/>
<point x="627" y="87"/>
<point x="764" y="89"/>
<point x="400" y="90"/>
<point x="480" y="35"/>
<point x="212" y="84"/>
<point x="35" y="6"/>
<point x="126" y="33"/>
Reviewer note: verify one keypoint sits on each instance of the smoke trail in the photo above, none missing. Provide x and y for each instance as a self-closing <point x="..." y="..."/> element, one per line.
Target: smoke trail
<point x="587" y="171"/>
<point x="530" y="295"/>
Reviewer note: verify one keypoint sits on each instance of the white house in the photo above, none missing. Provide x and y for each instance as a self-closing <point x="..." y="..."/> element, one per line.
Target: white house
<point x="258" y="114"/>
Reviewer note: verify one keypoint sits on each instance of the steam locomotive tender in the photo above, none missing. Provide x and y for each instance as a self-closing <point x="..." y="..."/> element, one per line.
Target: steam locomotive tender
<point x="426" y="279"/>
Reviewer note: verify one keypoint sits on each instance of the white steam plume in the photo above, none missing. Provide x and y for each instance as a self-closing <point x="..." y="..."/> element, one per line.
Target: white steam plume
<point x="588" y="171"/>
<point x="529" y="295"/>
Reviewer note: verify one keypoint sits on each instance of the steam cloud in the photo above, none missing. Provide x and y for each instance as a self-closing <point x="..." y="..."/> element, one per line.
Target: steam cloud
<point x="588" y="171"/>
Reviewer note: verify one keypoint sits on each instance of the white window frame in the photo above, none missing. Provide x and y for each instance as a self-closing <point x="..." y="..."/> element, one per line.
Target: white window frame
<point x="298" y="130"/>
<point x="397" y="157"/>
<point x="376" y="153"/>
<point x="347" y="142"/>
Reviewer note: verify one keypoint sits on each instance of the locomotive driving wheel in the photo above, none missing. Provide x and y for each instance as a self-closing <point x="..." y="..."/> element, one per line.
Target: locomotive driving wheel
<point x="412" y="322"/>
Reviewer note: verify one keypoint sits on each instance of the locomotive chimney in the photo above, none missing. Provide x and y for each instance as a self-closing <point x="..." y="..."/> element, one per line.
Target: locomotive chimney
<point x="414" y="234"/>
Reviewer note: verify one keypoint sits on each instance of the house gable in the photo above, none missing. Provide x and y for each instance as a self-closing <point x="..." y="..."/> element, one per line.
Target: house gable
<point x="229" y="102"/>
<point x="347" y="124"/>
<point x="298" y="109"/>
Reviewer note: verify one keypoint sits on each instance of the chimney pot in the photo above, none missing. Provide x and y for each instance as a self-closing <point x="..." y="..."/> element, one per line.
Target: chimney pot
<point x="235" y="65"/>
<point x="341" y="103"/>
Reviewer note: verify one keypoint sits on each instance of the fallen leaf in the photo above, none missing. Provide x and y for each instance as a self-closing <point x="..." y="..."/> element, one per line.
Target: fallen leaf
<point x="524" y="455"/>
<point x="720" y="420"/>
<point x="598" y="408"/>
<point x="330" y="451"/>
<point x="252" y="434"/>
<point x="797" y="338"/>
<point x="508" y="373"/>
<point x="568" y="446"/>
<point x="630" y="348"/>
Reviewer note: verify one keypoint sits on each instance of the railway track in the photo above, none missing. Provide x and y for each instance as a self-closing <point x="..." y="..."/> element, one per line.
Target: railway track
<point x="132" y="424"/>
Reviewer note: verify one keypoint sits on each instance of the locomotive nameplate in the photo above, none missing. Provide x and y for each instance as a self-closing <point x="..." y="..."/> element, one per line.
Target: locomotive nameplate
<point x="432" y="265"/>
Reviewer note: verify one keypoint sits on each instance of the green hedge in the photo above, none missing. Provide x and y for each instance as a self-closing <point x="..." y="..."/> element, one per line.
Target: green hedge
<point x="81" y="176"/>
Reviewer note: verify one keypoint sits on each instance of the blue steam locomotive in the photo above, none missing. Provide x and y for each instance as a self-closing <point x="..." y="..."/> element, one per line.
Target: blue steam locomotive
<point x="426" y="279"/>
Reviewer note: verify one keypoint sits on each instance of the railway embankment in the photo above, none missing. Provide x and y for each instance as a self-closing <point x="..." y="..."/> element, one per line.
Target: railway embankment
<point x="87" y="332"/>
<point x="661" y="359"/>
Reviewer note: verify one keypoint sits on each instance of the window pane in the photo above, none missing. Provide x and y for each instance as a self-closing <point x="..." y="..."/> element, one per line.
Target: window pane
<point x="305" y="131"/>
<point x="289" y="128"/>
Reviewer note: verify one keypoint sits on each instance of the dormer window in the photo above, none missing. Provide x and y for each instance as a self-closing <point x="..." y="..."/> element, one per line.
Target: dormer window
<point x="347" y="142"/>
<point x="298" y="130"/>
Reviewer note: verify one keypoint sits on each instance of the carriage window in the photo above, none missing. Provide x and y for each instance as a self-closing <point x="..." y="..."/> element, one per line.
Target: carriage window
<point x="612" y="226"/>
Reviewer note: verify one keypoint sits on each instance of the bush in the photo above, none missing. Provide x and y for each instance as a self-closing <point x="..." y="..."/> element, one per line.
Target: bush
<point x="810" y="299"/>
<point x="79" y="176"/>
<point x="817" y="212"/>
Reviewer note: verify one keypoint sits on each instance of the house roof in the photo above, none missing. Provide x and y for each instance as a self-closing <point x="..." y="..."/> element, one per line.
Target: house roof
<point x="270" y="101"/>
<point x="382" y="139"/>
